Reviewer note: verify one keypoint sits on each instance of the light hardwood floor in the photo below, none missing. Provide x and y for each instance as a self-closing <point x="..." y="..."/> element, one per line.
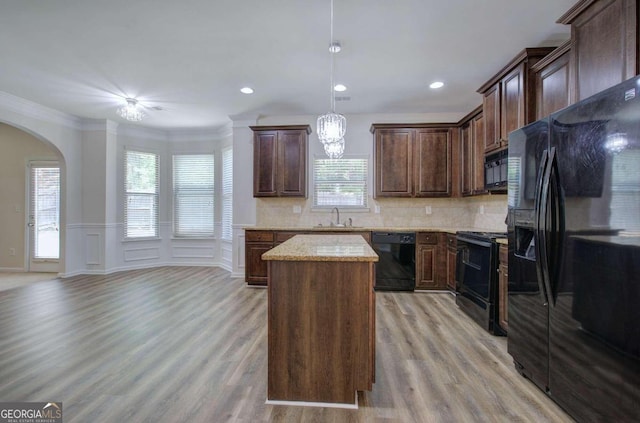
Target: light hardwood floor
<point x="189" y="345"/>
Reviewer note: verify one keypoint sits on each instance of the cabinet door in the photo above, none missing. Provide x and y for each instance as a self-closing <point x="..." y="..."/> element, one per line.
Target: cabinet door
<point x="426" y="266"/>
<point x="513" y="108"/>
<point x="467" y="157"/>
<point x="255" y="268"/>
<point x="265" y="162"/>
<point x="605" y="46"/>
<point x="491" y="113"/>
<point x="394" y="162"/>
<point x="552" y="86"/>
<point x="433" y="163"/>
<point x="477" y="155"/>
<point x="292" y="157"/>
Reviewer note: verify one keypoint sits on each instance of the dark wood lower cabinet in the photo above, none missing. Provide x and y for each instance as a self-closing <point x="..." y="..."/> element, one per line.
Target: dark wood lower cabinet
<point x="256" y="244"/>
<point x="430" y="261"/>
<point x="321" y="343"/>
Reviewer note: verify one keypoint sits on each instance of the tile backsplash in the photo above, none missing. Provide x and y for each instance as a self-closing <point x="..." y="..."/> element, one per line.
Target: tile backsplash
<point x="486" y="212"/>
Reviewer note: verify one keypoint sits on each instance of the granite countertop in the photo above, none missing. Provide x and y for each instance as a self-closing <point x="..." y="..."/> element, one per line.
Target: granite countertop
<point x="323" y="248"/>
<point x="364" y="229"/>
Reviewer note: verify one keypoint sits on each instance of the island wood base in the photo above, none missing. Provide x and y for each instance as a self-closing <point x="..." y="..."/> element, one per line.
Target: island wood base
<point x="321" y="330"/>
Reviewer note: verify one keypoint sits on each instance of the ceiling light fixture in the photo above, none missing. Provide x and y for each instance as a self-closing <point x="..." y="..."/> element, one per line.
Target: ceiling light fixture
<point x="246" y="90"/>
<point x="332" y="126"/>
<point x="340" y="88"/>
<point x="131" y="111"/>
<point x="437" y="84"/>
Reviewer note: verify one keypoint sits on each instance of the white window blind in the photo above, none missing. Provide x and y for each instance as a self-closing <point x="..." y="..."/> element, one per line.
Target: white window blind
<point x="141" y="194"/>
<point x="227" y="193"/>
<point x="44" y="215"/>
<point x="340" y="182"/>
<point x="193" y="195"/>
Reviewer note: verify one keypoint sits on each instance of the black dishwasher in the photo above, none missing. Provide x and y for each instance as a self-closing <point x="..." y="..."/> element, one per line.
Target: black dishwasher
<point x="396" y="267"/>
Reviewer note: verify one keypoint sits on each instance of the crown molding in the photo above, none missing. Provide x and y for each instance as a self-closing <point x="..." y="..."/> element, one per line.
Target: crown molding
<point x="37" y="111"/>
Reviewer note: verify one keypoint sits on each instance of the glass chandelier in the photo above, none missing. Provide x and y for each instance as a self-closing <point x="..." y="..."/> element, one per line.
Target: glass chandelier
<point x="332" y="126"/>
<point x="131" y="111"/>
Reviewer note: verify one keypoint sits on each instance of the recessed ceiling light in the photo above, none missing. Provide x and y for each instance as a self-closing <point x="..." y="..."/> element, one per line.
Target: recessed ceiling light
<point x="436" y="85"/>
<point x="340" y="88"/>
<point x="246" y="90"/>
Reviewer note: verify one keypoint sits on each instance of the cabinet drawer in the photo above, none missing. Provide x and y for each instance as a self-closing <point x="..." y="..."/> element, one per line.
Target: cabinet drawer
<point x="452" y="241"/>
<point x="427" y="238"/>
<point x="259" y="236"/>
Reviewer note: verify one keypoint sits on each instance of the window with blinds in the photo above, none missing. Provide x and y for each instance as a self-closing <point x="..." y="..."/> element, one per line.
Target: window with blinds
<point x="193" y="195"/>
<point x="625" y="191"/>
<point x="141" y="194"/>
<point x="340" y="182"/>
<point x="227" y="193"/>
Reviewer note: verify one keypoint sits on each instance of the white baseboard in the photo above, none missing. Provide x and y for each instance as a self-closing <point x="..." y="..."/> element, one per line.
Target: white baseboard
<point x="139" y="267"/>
<point x="12" y="269"/>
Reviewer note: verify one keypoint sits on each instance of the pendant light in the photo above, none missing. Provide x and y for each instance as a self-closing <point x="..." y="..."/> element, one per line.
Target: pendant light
<point x="332" y="126"/>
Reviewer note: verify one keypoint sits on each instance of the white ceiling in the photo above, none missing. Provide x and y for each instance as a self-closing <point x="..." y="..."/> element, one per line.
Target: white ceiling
<point x="191" y="57"/>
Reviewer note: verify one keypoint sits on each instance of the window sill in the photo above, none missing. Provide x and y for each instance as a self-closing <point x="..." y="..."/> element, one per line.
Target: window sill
<point x="147" y="238"/>
<point x="193" y="238"/>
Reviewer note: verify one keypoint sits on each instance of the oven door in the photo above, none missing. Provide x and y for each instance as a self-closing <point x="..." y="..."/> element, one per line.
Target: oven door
<point x="473" y="267"/>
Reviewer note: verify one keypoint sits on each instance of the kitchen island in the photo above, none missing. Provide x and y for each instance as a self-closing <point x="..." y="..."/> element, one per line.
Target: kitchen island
<point x="321" y="320"/>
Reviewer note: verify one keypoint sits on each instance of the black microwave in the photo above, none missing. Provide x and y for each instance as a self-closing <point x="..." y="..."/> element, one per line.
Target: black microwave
<point x="495" y="170"/>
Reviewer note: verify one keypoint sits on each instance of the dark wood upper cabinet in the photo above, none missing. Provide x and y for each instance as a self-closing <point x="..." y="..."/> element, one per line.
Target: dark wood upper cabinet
<point x="280" y="160"/>
<point x="433" y="162"/>
<point x="491" y="113"/>
<point x="394" y="162"/>
<point x="472" y="153"/>
<point x="509" y="98"/>
<point x="412" y="160"/>
<point x="553" y="81"/>
<point x="604" y="34"/>
<point x="512" y="99"/>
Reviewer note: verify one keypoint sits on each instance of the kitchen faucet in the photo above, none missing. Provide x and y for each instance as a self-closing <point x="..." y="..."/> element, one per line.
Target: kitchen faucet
<point x="338" y="216"/>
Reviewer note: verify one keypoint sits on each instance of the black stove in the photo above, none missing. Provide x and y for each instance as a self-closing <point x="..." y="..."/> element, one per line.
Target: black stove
<point x="477" y="277"/>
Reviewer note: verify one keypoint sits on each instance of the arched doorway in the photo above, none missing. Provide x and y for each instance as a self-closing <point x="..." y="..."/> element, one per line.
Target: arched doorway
<point x="31" y="183"/>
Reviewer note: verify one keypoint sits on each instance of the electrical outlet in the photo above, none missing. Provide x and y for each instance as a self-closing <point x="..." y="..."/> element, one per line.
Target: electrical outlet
<point x="297" y="209"/>
<point x="482" y="209"/>
<point x="427" y="209"/>
<point x="377" y="209"/>
<point x="17" y="209"/>
<point x="12" y="251"/>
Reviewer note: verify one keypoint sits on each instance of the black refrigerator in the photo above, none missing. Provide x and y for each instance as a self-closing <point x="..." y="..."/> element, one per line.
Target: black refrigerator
<point x="574" y="255"/>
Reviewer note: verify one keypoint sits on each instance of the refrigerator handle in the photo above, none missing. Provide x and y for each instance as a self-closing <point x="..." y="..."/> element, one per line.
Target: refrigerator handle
<point x="539" y="225"/>
<point x="557" y="229"/>
<point x="546" y="211"/>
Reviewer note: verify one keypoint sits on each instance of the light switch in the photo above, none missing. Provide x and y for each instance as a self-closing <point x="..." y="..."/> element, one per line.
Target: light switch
<point x="17" y="209"/>
<point x="297" y="209"/>
<point x="427" y="209"/>
<point x="377" y="209"/>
